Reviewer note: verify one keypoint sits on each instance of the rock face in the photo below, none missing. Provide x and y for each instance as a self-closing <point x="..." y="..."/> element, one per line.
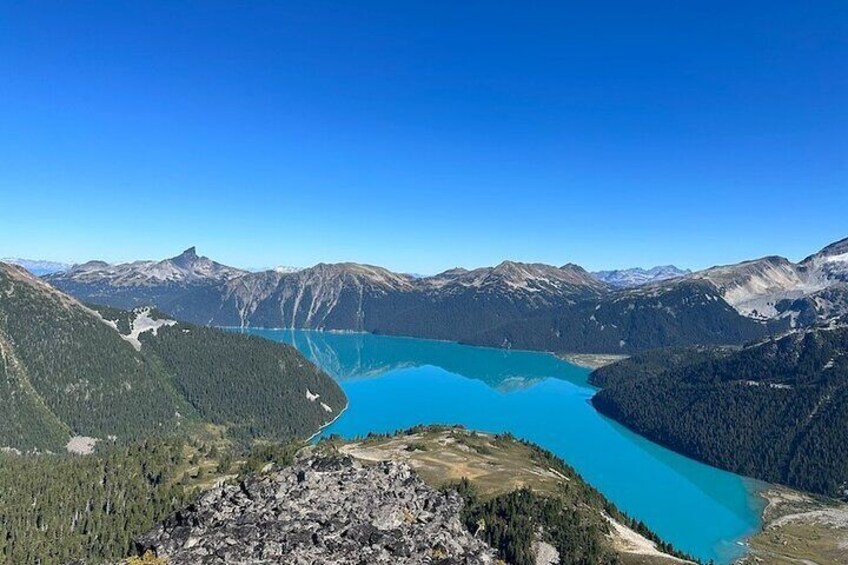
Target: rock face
<point x="328" y="510"/>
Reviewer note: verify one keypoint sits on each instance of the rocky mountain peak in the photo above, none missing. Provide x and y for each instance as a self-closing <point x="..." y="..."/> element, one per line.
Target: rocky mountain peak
<point x="827" y="267"/>
<point x="573" y="267"/>
<point x="360" y="274"/>
<point x="185" y="267"/>
<point x="187" y="258"/>
<point x="188" y="254"/>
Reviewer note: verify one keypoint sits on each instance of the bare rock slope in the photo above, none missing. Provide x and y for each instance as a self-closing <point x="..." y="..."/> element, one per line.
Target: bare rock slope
<point x="320" y="511"/>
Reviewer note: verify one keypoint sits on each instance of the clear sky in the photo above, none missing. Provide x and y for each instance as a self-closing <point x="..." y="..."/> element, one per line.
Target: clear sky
<point x="424" y="135"/>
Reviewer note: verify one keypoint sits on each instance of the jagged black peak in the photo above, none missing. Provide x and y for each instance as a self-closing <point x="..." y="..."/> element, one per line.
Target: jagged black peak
<point x="188" y="255"/>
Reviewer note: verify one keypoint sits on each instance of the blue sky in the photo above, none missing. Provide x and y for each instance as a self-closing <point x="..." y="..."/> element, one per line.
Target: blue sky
<point x="423" y="135"/>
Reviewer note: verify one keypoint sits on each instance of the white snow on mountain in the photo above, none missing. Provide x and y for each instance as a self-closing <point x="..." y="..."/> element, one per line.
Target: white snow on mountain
<point x="628" y="278"/>
<point x="286" y="269"/>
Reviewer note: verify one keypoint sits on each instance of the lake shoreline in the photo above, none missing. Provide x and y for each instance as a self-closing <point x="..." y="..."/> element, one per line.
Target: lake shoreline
<point x="328" y="424"/>
<point x="592" y="360"/>
<point x="445" y="382"/>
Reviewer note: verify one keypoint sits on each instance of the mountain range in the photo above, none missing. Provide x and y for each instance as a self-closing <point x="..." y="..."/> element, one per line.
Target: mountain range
<point x="628" y="278"/>
<point x="37" y="267"/>
<point x="520" y="305"/>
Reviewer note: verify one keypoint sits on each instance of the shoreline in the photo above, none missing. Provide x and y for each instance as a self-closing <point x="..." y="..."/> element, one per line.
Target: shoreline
<point x="578" y="360"/>
<point x="592" y="361"/>
<point x="330" y="423"/>
<point x="798" y="527"/>
<point x="565" y="357"/>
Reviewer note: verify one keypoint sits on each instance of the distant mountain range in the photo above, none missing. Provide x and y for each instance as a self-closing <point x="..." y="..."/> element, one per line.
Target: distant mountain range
<point x="521" y="305"/>
<point x="626" y="278"/>
<point x="37" y="267"/>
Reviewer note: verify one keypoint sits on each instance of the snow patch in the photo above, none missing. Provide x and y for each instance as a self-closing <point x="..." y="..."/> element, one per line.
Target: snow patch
<point x="81" y="445"/>
<point x="326" y="408"/>
<point x="311" y="397"/>
<point x="143" y="322"/>
<point x="770" y="385"/>
<point x="842" y="257"/>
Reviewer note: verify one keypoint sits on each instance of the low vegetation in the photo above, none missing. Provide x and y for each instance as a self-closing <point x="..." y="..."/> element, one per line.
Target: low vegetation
<point x="800" y="528"/>
<point x="516" y="494"/>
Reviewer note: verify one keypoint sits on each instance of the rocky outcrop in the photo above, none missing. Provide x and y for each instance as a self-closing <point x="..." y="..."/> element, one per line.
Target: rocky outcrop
<point x="321" y="511"/>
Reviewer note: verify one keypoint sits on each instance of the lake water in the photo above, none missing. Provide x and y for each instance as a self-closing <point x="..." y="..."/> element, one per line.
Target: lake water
<point x="394" y="383"/>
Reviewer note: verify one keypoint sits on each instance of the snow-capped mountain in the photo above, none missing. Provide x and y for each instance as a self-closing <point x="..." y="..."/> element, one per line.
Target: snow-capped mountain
<point x="36" y="266"/>
<point x="321" y="296"/>
<point x="828" y="265"/>
<point x="286" y="269"/>
<point x="628" y="278"/>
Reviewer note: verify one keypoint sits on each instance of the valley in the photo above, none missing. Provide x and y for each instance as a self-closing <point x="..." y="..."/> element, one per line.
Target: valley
<point x="759" y="346"/>
<point x="397" y="383"/>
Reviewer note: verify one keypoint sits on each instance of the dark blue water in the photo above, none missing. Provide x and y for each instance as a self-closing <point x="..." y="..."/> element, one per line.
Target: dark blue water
<point x="395" y="383"/>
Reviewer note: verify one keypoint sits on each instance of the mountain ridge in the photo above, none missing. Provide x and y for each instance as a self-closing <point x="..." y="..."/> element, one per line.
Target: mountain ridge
<point x="637" y="276"/>
<point x="512" y="304"/>
<point x="38" y="267"/>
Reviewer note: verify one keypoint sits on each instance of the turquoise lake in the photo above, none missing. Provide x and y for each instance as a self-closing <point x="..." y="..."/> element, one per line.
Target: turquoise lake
<point x="394" y="383"/>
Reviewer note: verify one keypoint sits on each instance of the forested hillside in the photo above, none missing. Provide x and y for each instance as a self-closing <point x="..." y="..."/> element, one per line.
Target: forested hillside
<point x="69" y="370"/>
<point x="684" y="313"/>
<point x="251" y="385"/>
<point x="776" y="410"/>
<point x="68" y="373"/>
<point x="138" y="388"/>
<point x="56" y="508"/>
